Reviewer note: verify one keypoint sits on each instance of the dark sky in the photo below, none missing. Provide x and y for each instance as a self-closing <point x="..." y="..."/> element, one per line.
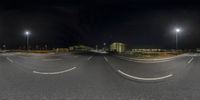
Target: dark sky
<point x="139" y="24"/>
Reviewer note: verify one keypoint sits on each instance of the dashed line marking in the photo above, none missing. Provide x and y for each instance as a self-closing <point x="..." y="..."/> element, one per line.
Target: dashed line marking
<point x="190" y="60"/>
<point x="145" y="79"/>
<point x="53" y="73"/>
<point x="89" y="58"/>
<point x="105" y="59"/>
<point x="10" y="60"/>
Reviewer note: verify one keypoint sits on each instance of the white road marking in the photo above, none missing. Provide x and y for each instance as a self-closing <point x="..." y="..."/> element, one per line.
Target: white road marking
<point x="145" y="79"/>
<point x="190" y="60"/>
<point x="105" y="59"/>
<point x="147" y="61"/>
<point x="52" y="73"/>
<point x="151" y="61"/>
<point x="167" y="58"/>
<point x="89" y="58"/>
<point x="10" y="60"/>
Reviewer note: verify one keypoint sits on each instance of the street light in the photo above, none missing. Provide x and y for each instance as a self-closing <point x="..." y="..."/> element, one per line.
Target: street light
<point x="177" y="30"/>
<point x="96" y="47"/>
<point x="104" y="46"/>
<point x="27" y="33"/>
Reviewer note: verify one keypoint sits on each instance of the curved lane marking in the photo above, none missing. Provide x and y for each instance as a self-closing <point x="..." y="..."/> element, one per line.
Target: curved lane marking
<point x="145" y="79"/>
<point x="52" y="73"/>
<point x="147" y="61"/>
<point x="152" y="61"/>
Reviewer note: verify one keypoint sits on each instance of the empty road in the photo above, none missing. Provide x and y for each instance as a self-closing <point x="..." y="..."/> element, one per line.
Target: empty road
<point x="97" y="77"/>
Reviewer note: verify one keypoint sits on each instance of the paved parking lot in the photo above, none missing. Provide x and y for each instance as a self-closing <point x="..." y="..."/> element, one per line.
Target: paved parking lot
<point x="96" y="77"/>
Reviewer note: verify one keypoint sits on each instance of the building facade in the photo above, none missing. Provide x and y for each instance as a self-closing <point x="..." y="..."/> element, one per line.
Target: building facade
<point x="117" y="47"/>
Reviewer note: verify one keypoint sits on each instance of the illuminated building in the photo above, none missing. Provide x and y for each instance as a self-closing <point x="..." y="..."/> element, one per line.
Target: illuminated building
<point x="117" y="47"/>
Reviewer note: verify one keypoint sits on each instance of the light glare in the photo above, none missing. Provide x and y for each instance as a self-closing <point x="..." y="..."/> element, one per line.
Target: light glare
<point x="178" y="30"/>
<point x="27" y="33"/>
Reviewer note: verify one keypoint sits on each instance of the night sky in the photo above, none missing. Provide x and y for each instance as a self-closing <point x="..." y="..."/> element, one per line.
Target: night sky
<point x="139" y="24"/>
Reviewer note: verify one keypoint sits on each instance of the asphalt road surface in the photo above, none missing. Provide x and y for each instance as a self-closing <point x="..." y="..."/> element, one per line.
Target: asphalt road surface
<point x="97" y="77"/>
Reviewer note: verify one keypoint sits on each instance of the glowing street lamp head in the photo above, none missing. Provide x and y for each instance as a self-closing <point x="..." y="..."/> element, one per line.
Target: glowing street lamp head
<point x="177" y="30"/>
<point x="27" y="32"/>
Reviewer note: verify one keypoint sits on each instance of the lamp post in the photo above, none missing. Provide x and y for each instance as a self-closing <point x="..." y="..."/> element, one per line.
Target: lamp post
<point x="177" y="30"/>
<point x="104" y="46"/>
<point x="27" y="33"/>
<point x="96" y="47"/>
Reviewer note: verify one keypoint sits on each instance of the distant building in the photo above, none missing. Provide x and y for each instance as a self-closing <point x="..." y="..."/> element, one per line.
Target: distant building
<point x="61" y="50"/>
<point x="79" y="48"/>
<point x="117" y="47"/>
